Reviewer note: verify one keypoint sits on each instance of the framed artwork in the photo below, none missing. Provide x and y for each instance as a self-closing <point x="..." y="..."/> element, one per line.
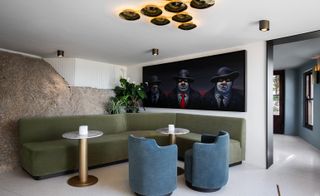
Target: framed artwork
<point x="208" y="83"/>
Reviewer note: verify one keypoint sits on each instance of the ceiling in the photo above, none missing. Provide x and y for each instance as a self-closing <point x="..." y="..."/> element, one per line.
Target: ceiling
<point x="294" y="54"/>
<point x="93" y="29"/>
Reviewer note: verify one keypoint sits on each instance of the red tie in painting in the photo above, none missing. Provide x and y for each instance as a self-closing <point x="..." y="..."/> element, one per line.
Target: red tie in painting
<point x="182" y="101"/>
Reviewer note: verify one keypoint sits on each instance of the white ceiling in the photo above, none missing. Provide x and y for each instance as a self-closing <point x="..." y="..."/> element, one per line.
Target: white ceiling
<point x="93" y="29"/>
<point x="294" y="54"/>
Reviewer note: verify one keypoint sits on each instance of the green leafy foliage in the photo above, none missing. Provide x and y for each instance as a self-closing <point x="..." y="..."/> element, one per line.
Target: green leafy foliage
<point x="114" y="106"/>
<point x="127" y="95"/>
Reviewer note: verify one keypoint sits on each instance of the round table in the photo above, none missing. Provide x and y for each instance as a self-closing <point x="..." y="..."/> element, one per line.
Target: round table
<point x="172" y="136"/>
<point x="83" y="179"/>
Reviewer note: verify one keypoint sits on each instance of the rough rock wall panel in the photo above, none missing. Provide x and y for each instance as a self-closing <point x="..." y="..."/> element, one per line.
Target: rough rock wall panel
<point x="31" y="87"/>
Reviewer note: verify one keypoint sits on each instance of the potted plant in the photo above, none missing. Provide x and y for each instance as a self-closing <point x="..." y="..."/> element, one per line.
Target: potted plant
<point x="128" y="95"/>
<point x="114" y="106"/>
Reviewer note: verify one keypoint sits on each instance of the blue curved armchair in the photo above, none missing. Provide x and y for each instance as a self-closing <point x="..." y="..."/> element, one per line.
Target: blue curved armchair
<point x="152" y="168"/>
<point x="207" y="163"/>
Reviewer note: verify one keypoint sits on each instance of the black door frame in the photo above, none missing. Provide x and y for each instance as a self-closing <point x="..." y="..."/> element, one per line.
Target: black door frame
<point x="269" y="72"/>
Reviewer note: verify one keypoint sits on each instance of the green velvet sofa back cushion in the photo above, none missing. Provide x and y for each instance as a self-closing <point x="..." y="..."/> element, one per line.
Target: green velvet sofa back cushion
<point x="213" y="124"/>
<point x="50" y="128"/>
<point x="149" y="121"/>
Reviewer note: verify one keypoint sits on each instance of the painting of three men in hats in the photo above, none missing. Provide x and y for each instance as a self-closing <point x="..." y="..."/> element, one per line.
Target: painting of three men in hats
<point x="220" y="89"/>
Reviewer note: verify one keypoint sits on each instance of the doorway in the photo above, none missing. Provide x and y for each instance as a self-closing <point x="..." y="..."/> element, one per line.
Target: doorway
<point x="269" y="86"/>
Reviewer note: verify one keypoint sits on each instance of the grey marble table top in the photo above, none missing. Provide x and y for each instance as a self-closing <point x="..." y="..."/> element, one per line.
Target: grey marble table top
<point x="74" y="135"/>
<point x="177" y="131"/>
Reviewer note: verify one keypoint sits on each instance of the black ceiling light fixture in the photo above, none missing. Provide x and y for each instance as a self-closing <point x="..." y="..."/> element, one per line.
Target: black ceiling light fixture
<point x="155" y="51"/>
<point x="182" y="17"/>
<point x="160" y="21"/>
<point x="156" y="12"/>
<point x="175" y="6"/>
<point x="187" y="26"/>
<point x="151" y="11"/>
<point x="201" y="4"/>
<point x="264" y="25"/>
<point x="129" y="14"/>
<point x="60" y="53"/>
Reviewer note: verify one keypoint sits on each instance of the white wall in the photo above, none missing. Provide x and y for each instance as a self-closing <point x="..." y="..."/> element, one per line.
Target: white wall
<point x="94" y="74"/>
<point x="65" y="67"/>
<point x="87" y="73"/>
<point x="255" y="98"/>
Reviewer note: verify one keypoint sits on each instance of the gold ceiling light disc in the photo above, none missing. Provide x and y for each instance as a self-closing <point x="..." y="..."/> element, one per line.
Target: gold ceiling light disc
<point x="160" y="21"/>
<point x="187" y="26"/>
<point x="202" y="4"/>
<point x="151" y="11"/>
<point x="129" y="14"/>
<point x="175" y="6"/>
<point x="183" y="17"/>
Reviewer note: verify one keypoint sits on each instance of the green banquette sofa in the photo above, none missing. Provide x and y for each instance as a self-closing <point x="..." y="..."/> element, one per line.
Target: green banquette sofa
<point x="44" y="153"/>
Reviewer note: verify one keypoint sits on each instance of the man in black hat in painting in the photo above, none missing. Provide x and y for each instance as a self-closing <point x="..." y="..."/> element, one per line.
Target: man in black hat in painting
<point x="155" y="97"/>
<point x="183" y="96"/>
<point x="223" y="96"/>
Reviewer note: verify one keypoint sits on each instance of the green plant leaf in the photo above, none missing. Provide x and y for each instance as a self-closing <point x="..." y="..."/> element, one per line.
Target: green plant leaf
<point x="128" y="95"/>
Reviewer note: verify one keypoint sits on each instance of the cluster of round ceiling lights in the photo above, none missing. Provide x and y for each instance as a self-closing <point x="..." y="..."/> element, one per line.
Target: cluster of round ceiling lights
<point x="175" y="6"/>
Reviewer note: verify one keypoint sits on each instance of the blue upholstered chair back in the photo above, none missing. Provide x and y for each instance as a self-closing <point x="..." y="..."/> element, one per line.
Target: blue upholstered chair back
<point x="207" y="164"/>
<point x="152" y="168"/>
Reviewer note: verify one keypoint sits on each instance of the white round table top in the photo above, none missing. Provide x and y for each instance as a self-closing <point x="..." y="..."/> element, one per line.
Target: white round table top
<point x="74" y="135"/>
<point x="177" y="131"/>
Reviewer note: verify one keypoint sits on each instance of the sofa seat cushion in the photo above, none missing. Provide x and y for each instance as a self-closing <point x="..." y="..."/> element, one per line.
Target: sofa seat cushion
<point x="41" y="158"/>
<point x="114" y="147"/>
<point x="44" y="158"/>
<point x="186" y="141"/>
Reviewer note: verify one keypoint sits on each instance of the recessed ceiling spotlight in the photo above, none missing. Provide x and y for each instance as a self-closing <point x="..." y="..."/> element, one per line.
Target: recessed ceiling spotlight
<point x="155" y="51"/>
<point x="264" y="25"/>
<point x="60" y="53"/>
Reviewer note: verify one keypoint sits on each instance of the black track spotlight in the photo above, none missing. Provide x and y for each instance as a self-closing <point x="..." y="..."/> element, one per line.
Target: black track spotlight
<point x="60" y="53"/>
<point x="155" y="51"/>
<point x="264" y="25"/>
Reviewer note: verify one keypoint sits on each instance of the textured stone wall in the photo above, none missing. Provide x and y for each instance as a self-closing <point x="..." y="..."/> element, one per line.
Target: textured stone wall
<point x="31" y="87"/>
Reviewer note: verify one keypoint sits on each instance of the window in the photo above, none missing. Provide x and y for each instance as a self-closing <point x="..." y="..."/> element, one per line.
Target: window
<point x="308" y="99"/>
<point x="276" y="95"/>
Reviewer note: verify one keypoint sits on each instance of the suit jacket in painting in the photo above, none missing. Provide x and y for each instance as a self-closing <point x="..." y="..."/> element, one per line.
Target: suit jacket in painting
<point x="194" y="99"/>
<point x="159" y="102"/>
<point x="236" y="102"/>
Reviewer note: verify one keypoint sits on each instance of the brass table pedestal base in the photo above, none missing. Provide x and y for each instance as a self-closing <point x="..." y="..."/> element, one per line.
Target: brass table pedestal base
<point x="75" y="181"/>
